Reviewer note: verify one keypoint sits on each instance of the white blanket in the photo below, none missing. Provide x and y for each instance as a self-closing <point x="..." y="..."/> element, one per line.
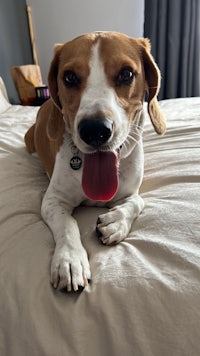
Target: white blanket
<point x="144" y="297"/>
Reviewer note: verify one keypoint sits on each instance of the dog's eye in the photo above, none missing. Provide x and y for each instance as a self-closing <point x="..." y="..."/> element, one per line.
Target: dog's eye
<point x="70" y="79"/>
<point x="125" y="76"/>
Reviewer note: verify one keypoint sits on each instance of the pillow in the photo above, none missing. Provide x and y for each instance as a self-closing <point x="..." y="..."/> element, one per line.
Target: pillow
<point x="4" y="101"/>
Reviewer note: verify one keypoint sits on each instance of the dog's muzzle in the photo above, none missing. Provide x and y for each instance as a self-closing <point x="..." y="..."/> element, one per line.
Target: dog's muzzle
<point x="95" y="131"/>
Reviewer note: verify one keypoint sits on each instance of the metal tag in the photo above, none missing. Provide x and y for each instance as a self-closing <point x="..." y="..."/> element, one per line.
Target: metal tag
<point x="75" y="163"/>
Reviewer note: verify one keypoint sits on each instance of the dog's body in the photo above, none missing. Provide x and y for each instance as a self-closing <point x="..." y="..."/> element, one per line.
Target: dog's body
<point x="89" y="138"/>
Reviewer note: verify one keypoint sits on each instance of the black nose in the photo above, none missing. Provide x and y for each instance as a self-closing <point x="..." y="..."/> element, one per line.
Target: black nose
<point x="95" y="131"/>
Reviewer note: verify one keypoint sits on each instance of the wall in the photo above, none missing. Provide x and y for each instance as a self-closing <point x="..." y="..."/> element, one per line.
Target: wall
<point x="14" y="40"/>
<point x="59" y="21"/>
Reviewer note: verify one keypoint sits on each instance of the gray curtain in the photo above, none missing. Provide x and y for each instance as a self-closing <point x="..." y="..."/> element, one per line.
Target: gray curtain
<point x="173" y="26"/>
<point x="15" y="45"/>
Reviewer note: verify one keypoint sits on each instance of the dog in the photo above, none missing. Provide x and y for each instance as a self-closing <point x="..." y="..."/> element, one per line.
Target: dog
<point x="88" y="136"/>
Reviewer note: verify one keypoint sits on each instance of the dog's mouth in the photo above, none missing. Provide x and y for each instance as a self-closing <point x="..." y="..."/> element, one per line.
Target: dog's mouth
<point x="100" y="177"/>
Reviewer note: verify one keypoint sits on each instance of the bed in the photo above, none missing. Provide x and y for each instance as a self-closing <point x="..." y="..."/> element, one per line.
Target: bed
<point x="144" y="297"/>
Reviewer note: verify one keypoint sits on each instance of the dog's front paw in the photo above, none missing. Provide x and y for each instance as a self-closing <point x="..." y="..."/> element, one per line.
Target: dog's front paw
<point x="113" y="226"/>
<point x="70" y="269"/>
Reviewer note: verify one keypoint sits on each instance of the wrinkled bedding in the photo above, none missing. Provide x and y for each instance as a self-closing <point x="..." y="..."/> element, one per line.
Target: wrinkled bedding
<point x="144" y="297"/>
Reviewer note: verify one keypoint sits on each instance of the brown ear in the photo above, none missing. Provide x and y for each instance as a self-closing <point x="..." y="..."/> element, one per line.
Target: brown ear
<point x="55" y="125"/>
<point x="52" y="77"/>
<point x="152" y="75"/>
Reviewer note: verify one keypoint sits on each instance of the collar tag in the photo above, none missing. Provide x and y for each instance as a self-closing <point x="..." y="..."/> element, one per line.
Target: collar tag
<point x="75" y="161"/>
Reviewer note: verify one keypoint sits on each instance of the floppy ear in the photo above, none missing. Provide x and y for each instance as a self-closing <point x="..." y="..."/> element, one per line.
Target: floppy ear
<point x="55" y="125"/>
<point x="52" y="77"/>
<point x="152" y="76"/>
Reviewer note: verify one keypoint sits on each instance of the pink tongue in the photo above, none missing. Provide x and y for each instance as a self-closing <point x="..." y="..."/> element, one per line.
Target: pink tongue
<point x="100" y="176"/>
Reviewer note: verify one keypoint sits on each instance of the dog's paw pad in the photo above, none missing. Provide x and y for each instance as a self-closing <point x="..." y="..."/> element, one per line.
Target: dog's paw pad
<point x="98" y="232"/>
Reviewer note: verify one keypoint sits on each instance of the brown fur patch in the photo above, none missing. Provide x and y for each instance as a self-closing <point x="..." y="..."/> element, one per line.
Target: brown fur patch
<point x="118" y="51"/>
<point x="74" y="56"/>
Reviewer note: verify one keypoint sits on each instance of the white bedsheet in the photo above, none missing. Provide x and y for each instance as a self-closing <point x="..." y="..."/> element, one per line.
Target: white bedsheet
<point x="144" y="298"/>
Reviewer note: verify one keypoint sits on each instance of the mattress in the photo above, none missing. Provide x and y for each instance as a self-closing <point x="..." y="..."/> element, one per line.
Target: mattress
<point x="144" y="296"/>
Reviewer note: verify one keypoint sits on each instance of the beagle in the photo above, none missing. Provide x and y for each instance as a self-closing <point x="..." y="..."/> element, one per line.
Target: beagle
<point x="89" y="138"/>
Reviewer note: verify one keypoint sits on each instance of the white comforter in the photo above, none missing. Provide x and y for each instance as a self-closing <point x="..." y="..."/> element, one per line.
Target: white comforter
<point x="144" y="298"/>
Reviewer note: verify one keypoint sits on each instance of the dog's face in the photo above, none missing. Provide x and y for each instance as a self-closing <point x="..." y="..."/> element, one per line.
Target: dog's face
<point x="99" y="81"/>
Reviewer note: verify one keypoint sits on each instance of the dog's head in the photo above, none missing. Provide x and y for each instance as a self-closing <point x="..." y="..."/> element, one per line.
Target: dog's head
<point x="99" y="81"/>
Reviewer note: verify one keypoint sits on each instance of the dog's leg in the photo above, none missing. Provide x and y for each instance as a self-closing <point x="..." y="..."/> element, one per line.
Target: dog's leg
<point x="70" y="266"/>
<point x="115" y="225"/>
